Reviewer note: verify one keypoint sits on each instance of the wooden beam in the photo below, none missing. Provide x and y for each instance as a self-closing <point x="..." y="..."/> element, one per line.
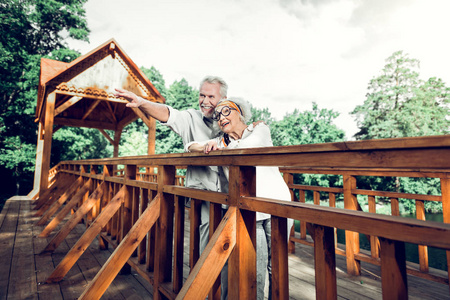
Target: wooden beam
<point x="90" y="109"/>
<point x="75" y="219"/>
<point x="212" y="260"/>
<point x="86" y="239"/>
<point x="110" y="140"/>
<point x="67" y="104"/>
<point x="85" y="123"/>
<point x="123" y="252"/>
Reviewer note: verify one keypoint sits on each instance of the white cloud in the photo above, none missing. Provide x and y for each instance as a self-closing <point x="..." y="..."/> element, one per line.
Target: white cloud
<point x="277" y="54"/>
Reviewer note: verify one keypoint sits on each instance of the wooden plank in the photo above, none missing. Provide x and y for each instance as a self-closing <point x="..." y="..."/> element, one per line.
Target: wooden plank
<point x="47" y="146"/>
<point x="212" y="260"/>
<point x="22" y="278"/>
<point x="9" y="218"/>
<point x="123" y="252"/>
<point x="77" y="250"/>
<point x="325" y="262"/>
<point x="393" y="270"/>
<point x="280" y="268"/>
<point x="75" y="219"/>
<point x="79" y="195"/>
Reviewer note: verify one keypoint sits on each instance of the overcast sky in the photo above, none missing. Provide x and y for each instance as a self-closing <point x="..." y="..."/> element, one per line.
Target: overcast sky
<point x="279" y="54"/>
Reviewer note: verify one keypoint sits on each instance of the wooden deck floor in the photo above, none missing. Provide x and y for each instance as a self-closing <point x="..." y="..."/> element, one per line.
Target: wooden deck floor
<point x="23" y="269"/>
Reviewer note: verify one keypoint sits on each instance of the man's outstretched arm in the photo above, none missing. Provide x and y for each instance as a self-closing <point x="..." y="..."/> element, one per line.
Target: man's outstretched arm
<point x="155" y="110"/>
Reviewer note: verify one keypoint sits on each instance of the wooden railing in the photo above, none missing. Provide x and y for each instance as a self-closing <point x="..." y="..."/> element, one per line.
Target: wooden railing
<point x="143" y="216"/>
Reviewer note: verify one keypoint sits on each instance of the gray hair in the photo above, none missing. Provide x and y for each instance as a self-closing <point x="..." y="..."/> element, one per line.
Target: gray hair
<point x="244" y="105"/>
<point x="219" y="80"/>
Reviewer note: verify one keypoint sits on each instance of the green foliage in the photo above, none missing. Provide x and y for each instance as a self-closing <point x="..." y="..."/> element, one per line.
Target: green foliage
<point x="399" y="104"/>
<point x="29" y="30"/>
<point x="79" y="143"/>
<point x="308" y="127"/>
<point x="261" y="115"/>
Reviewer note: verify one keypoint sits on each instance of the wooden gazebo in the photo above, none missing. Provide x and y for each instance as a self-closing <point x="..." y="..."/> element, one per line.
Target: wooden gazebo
<point x="80" y="94"/>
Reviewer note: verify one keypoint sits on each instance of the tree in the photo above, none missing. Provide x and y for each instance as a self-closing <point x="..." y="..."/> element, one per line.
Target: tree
<point x="30" y="30"/>
<point x="399" y="104"/>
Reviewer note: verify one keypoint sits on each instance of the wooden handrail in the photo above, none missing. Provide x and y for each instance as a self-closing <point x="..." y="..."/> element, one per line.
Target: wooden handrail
<point x="415" y="157"/>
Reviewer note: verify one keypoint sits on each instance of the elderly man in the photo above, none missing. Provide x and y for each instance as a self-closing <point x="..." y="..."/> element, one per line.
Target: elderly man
<point x="191" y="125"/>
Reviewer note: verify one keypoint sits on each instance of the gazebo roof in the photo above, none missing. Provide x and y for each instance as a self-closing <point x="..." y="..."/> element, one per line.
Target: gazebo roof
<point x="84" y="89"/>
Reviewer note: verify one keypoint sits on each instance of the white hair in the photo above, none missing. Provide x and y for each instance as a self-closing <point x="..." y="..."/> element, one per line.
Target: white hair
<point x="244" y="105"/>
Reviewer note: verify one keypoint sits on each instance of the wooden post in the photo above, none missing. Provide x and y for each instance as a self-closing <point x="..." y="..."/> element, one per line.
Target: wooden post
<point x="242" y="263"/>
<point x="351" y="238"/>
<point x="47" y="147"/>
<point x="374" y="243"/>
<point x="445" y="191"/>
<point x="107" y="196"/>
<point x="117" y="135"/>
<point x="164" y="230"/>
<point x="325" y="262"/>
<point x="393" y="270"/>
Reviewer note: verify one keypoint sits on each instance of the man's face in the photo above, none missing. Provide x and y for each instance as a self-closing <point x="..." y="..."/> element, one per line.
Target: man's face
<point x="208" y="98"/>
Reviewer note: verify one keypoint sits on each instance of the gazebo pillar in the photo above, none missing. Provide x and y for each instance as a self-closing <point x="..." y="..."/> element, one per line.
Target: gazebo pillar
<point x="151" y="136"/>
<point x="44" y="146"/>
<point x="117" y="135"/>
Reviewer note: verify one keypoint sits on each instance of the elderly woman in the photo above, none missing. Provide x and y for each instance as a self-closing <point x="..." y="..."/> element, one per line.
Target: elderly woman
<point x="231" y="116"/>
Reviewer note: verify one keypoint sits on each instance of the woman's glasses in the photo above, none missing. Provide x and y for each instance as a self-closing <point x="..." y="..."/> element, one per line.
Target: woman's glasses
<point x="224" y="111"/>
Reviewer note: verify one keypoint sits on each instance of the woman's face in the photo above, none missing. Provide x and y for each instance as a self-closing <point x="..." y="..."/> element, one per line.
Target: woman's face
<point x="228" y="123"/>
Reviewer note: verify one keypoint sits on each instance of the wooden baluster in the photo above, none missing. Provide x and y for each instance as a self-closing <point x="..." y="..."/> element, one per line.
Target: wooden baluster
<point x="127" y="209"/>
<point x="107" y="196"/>
<point x="242" y="262"/>
<point x="280" y="268"/>
<point x="135" y="209"/>
<point x="332" y="199"/>
<point x="324" y="262"/>
<point x="164" y="231"/>
<point x="423" y="250"/>
<point x="395" y="208"/>
<point x="316" y="197"/>
<point x="393" y="270"/>
<point x="302" y="199"/>
<point x="143" y="246"/>
<point x="374" y="243"/>
<point x="215" y="217"/>
<point x="151" y="242"/>
<point x="194" y="232"/>
<point x="179" y="244"/>
<point x="351" y="238"/>
<point x="445" y="191"/>
<point x="289" y="179"/>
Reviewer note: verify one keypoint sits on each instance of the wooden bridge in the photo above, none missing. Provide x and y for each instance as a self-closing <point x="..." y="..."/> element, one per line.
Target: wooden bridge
<point x="135" y="207"/>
